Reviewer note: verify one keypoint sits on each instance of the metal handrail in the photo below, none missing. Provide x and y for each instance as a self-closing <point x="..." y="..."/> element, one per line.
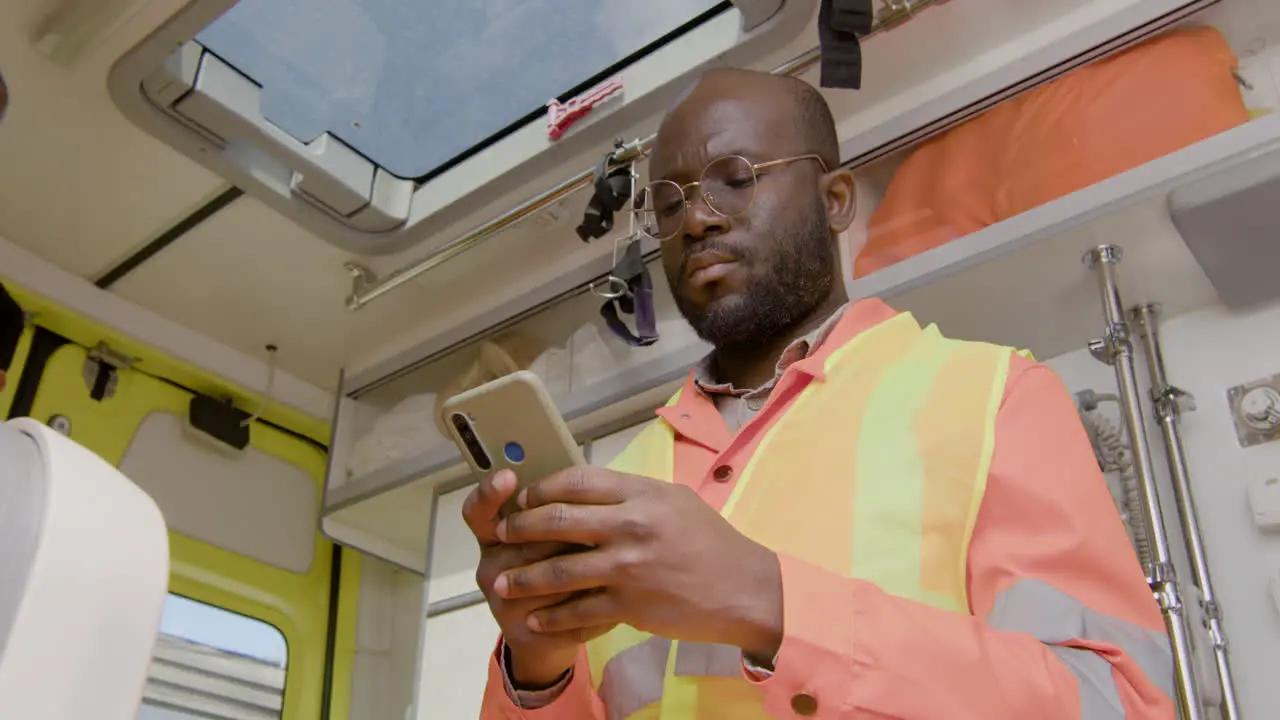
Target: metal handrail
<point x="891" y="14"/>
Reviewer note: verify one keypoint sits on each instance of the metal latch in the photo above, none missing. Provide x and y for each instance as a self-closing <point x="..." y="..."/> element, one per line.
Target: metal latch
<point x="101" y="370"/>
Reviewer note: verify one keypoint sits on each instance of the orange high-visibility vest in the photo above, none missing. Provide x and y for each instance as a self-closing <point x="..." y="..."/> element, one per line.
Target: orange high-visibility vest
<point x="875" y="471"/>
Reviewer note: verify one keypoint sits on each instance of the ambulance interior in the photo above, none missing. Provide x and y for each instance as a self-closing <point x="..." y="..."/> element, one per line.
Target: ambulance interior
<point x="250" y="247"/>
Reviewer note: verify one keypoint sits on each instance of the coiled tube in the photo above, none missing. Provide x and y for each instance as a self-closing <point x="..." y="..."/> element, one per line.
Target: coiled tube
<point x="1115" y="458"/>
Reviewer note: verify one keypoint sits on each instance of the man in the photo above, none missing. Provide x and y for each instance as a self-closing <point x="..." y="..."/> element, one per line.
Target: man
<point x="841" y="515"/>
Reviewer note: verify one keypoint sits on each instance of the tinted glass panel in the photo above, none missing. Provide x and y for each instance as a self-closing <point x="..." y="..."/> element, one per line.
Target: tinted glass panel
<point x="412" y="85"/>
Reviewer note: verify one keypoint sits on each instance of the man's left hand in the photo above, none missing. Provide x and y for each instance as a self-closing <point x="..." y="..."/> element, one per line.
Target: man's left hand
<point x="660" y="560"/>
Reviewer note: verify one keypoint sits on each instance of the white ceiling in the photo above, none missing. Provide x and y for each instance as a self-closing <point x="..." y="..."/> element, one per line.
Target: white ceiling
<point x="248" y="277"/>
<point x="83" y="188"/>
<point x="79" y="184"/>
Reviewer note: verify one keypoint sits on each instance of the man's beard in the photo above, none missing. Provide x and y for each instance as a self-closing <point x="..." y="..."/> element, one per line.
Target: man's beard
<point x="778" y="296"/>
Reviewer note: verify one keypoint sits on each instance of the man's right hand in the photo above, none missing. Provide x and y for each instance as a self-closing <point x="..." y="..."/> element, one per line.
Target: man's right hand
<point x="538" y="660"/>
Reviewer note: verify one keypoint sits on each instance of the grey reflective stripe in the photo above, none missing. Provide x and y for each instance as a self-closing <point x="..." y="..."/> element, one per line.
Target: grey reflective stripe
<point x="632" y="679"/>
<point x="706" y="660"/>
<point x="1052" y="616"/>
<point x="1099" y="698"/>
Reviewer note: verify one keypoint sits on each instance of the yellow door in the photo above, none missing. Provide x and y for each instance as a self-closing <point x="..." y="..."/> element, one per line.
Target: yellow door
<point x="15" y="341"/>
<point x="257" y="555"/>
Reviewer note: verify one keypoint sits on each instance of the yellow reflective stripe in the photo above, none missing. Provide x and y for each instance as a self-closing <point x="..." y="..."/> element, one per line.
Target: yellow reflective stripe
<point x="957" y="434"/>
<point x="709" y="683"/>
<point x="679" y="694"/>
<point x="651" y="454"/>
<point x="890" y="335"/>
<point x="890" y="472"/>
<point x="941" y="600"/>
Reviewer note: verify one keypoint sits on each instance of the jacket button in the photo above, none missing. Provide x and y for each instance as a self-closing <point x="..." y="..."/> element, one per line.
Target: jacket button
<point x="722" y="473"/>
<point x="804" y="704"/>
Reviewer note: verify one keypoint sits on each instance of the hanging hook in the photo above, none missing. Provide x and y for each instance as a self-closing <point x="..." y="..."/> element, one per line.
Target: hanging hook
<point x="266" y="394"/>
<point x="616" y="287"/>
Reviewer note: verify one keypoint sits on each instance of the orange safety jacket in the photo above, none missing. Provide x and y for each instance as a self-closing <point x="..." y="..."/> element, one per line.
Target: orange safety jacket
<point x="872" y="481"/>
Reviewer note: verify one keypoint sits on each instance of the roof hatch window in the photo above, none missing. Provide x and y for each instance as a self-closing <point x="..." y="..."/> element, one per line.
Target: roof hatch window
<point x="418" y="86"/>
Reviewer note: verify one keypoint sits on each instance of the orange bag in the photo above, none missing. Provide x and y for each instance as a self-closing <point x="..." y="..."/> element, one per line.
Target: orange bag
<point x="1093" y="123"/>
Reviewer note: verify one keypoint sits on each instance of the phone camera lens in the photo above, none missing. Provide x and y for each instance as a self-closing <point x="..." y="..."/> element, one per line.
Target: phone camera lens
<point x="468" y="434"/>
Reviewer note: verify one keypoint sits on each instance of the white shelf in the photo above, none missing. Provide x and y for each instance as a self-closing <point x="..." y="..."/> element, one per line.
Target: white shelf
<point x="1020" y="282"/>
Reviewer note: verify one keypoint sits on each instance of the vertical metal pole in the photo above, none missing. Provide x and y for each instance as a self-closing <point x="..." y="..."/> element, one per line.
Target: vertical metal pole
<point x="1169" y="403"/>
<point x="1116" y="349"/>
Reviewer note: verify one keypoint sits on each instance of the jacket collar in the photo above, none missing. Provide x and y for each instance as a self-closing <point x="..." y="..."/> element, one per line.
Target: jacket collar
<point x="694" y="414"/>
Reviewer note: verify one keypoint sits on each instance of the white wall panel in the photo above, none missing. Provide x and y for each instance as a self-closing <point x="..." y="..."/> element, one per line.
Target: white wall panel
<point x="455" y="661"/>
<point x="454" y="551"/>
<point x="1206" y="353"/>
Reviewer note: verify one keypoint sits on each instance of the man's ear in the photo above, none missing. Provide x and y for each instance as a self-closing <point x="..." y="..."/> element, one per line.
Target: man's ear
<point x="840" y="196"/>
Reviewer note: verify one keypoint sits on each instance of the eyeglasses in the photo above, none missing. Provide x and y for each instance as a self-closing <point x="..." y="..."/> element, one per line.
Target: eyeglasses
<point x="727" y="184"/>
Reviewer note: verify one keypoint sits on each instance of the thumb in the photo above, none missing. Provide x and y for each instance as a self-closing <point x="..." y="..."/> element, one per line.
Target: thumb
<point x="480" y="509"/>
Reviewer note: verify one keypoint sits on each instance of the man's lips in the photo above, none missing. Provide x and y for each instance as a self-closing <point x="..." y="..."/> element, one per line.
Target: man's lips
<point x="708" y="267"/>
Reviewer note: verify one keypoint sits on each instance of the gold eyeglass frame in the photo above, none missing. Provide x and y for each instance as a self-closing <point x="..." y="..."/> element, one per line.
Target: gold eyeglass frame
<point x="709" y="199"/>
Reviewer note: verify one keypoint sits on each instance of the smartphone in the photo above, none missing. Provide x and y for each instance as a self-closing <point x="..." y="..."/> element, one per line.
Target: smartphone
<point x="512" y="423"/>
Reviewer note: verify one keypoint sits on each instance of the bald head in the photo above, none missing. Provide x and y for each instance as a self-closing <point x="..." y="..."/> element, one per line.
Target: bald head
<point x="794" y="106"/>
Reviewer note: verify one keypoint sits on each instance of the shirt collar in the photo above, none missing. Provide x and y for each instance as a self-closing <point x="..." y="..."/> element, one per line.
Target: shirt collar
<point x="694" y="415"/>
<point x="704" y="372"/>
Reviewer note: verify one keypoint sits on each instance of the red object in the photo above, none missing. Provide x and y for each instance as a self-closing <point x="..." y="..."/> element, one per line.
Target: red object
<point x="562" y="116"/>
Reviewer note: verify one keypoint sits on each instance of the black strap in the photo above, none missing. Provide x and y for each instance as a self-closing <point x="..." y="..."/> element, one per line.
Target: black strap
<point x="840" y="22"/>
<point x="610" y="190"/>
<point x="12" y="323"/>
<point x="638" y="300"/>
<point x="853" y="16"/>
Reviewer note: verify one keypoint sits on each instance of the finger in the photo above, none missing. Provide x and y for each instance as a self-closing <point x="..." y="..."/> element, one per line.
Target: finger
<point x="525" y="606"/>
<point x="581" y="635"/>
<point x="563" y="573"/>
<point x="480" y="509"/>
<point x="558" y="522"/>
<point x="578" y="486"/>
<point x="592" y="610"/>
<point x="514" y="556"/>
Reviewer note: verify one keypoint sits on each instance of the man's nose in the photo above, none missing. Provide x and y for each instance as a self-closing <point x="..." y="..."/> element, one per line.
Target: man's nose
<point x="700" y="221"/>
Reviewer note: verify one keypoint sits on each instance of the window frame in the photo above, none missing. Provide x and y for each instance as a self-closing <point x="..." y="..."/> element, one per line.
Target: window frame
<point x="507" y="169"/>
<point x="288" y="647"/>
